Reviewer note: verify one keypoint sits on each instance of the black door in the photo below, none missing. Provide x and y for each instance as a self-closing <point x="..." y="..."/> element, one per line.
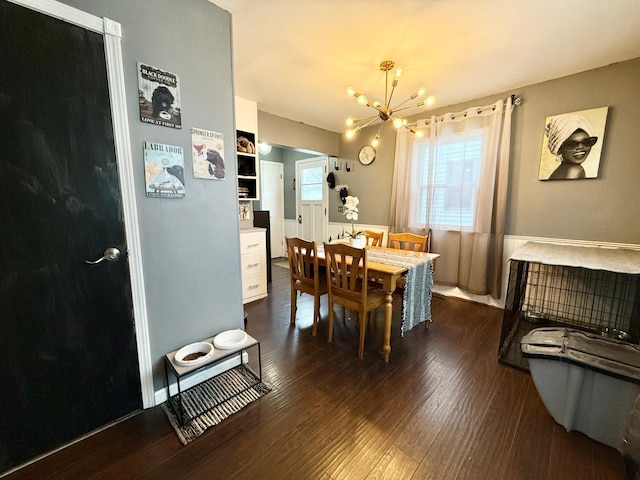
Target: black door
<point x="68" y="361"/>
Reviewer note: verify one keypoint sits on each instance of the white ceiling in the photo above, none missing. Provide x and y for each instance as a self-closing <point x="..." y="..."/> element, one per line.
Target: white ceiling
<point x="296" y="58"/>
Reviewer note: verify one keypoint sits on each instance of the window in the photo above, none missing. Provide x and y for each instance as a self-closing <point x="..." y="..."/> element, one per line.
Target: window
<point x="311" y="183"/>
<point x="445" y="181"/>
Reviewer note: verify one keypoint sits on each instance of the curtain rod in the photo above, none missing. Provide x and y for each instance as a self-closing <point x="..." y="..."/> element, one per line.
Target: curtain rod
<point x="514" y="101"/>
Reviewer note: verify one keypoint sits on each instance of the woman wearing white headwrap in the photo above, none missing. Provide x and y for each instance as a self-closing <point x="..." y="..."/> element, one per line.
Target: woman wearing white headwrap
<point x="570" y="140"/>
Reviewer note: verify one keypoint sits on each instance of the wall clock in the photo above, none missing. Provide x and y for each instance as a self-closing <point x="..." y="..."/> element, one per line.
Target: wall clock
<point x="367" y="155"/>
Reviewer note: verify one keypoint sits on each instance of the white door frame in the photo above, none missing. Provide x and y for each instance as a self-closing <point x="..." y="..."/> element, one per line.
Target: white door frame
<point x="325" y="194"/>
<point x="112" y="33"/>
<point x="277" y="186"/>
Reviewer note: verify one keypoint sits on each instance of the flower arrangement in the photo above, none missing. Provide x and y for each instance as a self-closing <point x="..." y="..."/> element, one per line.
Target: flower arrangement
<point x="350" y="210"/>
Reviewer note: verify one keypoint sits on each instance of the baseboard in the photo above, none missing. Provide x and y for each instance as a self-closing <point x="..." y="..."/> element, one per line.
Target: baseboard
<point x="199" y="377"/>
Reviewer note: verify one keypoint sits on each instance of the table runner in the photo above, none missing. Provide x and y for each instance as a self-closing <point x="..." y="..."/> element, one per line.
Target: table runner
<point x="416" y="301"/>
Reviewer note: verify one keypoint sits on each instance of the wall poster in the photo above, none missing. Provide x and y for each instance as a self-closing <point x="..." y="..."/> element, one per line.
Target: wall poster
<point x="159" y="97"/>
<point x="164" y="170"/>
<point x="572" y="145"/>
<point x="207" y="151"/>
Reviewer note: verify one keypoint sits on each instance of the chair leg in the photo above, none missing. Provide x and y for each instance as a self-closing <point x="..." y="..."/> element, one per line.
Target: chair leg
<point x="316" y="314"/>
<point x="363" y="331"/>
<point x="294" y="306"/>
<point x="330" y="326"/>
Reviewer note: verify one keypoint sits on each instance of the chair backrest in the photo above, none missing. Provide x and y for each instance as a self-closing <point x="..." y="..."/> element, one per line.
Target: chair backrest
<point x="374" y="238"/>
<point x="346" y="275"/>
<point x="303" y="263"/>
<point x="408" y="241"/>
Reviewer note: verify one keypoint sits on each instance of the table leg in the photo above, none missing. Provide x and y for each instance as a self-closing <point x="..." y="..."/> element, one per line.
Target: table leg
<point x="388" y="314"/>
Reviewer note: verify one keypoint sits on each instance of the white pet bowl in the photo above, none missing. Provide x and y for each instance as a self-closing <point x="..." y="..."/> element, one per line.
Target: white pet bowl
<point x="230" y="339"/>
<point x="192" y="348"/>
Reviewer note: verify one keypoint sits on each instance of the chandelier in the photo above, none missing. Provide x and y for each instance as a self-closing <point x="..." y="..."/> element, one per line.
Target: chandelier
<point x="384" y="111"/>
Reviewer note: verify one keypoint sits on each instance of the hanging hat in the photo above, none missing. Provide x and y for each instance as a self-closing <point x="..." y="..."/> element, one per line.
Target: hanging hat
<point x="331" y="180"/>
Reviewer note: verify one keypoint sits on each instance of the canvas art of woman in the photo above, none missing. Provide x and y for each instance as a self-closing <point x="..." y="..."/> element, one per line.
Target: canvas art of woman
<point x="570" y="139"/>
<point x="572" y="145"/>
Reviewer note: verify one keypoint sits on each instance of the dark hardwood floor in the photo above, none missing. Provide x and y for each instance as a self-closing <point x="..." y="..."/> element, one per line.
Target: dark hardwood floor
<point x="443" y="408"/>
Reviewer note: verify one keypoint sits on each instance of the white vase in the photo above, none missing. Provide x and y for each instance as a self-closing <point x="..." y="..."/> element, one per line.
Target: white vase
<point x="359" y="242"/>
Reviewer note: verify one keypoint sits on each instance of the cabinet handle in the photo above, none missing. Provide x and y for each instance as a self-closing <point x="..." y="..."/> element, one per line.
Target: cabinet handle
<point x="251" y="287"/>
<point x="253" y="245"/>
<point x="251" y="265"/>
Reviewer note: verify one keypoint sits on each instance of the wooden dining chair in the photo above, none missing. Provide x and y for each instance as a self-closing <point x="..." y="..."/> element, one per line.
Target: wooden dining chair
<point x="408" y="241"/>
<point x="374" y="238"/>
<point x="348" y="286"/>
<point x="306" y="276"/>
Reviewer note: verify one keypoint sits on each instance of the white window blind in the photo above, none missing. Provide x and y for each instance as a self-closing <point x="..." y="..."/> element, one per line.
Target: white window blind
<point x="445" y="182"/>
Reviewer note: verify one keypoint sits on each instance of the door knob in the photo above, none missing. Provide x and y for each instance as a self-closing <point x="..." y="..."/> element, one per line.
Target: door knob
<point x="300" y="219"/>
<point x="110" y="254"/>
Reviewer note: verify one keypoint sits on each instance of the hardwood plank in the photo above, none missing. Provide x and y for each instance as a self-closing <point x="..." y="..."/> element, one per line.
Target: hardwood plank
<point x="394" y="465"/>
<point x="444" y="408"/>
<point x="496" y="434"/>
<point x="531" y="447"/>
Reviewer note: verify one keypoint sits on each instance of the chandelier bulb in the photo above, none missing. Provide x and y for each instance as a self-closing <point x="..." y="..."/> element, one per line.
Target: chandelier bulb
<point x="399" y="122"/>
<point x="351" y="121"/>
<point x="350" y="133"/>
<point x="421" y="91"/>
<point x="427" y="101"/>
<point x="362" y="100"/>
<point x="398" y="73"/>
<point x="419" y="133"/>
<point x="376" y="140"/>
<point x="351" y="91"/>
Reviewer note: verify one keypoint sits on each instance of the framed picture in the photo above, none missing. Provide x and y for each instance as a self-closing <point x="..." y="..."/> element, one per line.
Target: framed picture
<point x="163" y="170"/>
<point x="207" y="150"/>
<point x="159" y="96"/>
<point x="572" y="145"/>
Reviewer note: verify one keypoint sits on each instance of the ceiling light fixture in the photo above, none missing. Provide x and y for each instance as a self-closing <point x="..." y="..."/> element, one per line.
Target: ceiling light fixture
<point x="264" y="148"/>
<point x="384" y="110"/>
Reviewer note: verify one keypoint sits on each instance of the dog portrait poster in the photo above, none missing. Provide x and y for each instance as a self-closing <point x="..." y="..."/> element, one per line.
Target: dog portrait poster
<point x="159" y="97"/>
<point x="207" y="149"/>
<point x="163" y="170"/>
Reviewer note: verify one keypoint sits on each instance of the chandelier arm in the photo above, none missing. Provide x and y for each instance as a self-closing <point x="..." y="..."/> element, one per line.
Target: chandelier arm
<point x="368" y="117"/>
<point x="393" y="88"/>
<point x="386" y="88"/>
<point x="396" y="110"/>
<point x="360" y="127"/>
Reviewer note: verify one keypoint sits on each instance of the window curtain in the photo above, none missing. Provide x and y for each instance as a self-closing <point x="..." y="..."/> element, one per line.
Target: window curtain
<point x="470" y="255"/>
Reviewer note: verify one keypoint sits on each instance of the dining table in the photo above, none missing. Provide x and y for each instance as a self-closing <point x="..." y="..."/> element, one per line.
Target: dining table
<point x="387" y="265"/>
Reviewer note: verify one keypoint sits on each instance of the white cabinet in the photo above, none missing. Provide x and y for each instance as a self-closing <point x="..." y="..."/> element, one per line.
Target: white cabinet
<point x="253" y="259"/>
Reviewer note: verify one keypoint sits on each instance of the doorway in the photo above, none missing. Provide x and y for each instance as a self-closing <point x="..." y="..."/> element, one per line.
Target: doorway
<point x="272" y="199"/>
<point x="70" y="360"/>
<point x="312" y="199"/>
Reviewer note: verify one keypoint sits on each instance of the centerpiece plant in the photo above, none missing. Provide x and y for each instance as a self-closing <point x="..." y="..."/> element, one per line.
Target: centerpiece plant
<point x="350" y="210"/>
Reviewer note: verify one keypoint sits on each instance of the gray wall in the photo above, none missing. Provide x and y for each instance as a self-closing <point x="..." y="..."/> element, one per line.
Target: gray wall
<point x="288" y="133"/>
<point x="603" y="209"/>
<point x="190" y="247"/>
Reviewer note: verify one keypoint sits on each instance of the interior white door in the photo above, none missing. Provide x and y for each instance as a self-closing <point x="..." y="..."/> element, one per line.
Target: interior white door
<point x="272" y="199"/>
<point x="312" y="199"/>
